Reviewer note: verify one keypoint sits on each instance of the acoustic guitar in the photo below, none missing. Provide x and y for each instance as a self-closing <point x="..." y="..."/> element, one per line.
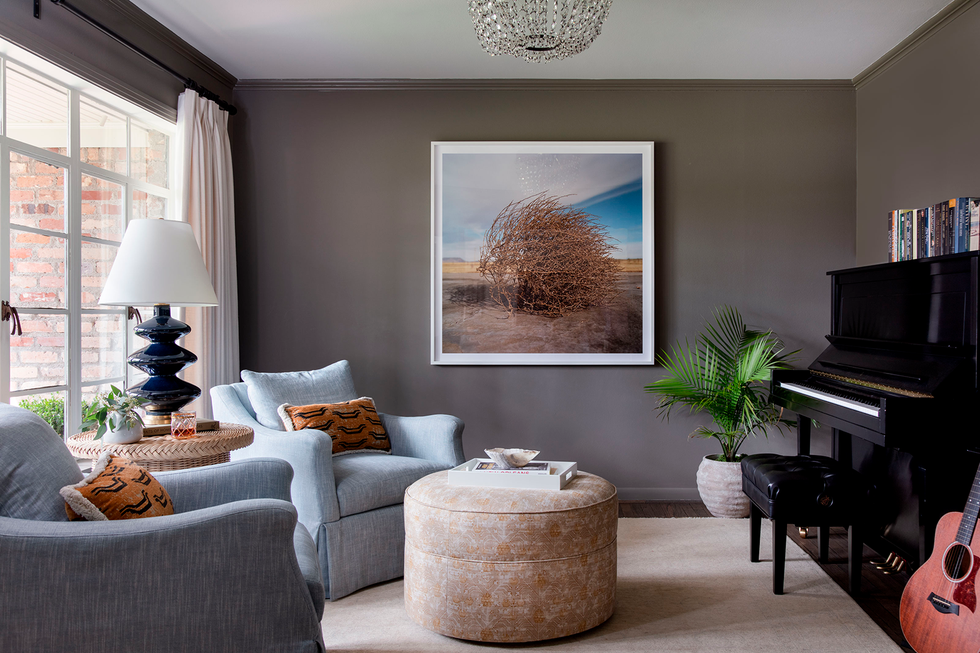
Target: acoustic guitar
<point x="939" y="604"/>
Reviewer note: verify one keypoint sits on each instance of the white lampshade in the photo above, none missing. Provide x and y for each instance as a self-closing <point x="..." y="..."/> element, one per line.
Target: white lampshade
<point x="158" y="262"/>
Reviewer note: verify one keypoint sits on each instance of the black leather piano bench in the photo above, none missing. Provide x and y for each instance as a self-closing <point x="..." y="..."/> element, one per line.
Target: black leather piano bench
<point x="805" y="491"/>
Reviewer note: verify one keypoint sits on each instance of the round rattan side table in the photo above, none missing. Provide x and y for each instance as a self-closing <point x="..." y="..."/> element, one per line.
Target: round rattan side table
<point x="163" y="452"/>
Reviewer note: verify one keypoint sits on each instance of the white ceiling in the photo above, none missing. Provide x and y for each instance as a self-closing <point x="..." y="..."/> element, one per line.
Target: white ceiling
<point x="641" y="39"/>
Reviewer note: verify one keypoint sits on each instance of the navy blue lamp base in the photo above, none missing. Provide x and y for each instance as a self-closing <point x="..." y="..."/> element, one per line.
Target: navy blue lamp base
<point x="162" y="360"/>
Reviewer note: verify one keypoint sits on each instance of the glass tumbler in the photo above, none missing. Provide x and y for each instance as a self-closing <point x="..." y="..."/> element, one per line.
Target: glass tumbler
<point x="183" y="425"/>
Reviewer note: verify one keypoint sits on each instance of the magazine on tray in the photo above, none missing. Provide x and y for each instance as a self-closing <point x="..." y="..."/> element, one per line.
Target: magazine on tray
<point x="488" y="466"/>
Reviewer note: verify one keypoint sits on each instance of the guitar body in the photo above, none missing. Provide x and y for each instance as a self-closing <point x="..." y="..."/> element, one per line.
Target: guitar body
<point x="939" y="610"/>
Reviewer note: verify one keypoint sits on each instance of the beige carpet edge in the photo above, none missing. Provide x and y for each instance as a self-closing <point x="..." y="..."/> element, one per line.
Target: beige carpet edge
<point x="684" y="585"/>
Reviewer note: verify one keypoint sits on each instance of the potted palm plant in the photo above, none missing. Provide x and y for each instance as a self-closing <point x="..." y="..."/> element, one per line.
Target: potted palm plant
<point x="724" y="374"/>
<point x="115" y="416"/>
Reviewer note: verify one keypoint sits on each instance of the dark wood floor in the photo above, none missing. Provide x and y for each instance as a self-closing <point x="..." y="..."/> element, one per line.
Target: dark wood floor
<point x="880" y="594"/>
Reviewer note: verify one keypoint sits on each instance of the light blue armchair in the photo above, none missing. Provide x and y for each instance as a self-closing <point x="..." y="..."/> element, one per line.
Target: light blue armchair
<point x="351" y="504"/>
<point x="231" y="571"/>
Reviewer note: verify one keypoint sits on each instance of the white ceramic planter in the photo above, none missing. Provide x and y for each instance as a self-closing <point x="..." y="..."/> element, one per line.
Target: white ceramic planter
<point x="124" y="434"/>
<point x="720" y="486"/>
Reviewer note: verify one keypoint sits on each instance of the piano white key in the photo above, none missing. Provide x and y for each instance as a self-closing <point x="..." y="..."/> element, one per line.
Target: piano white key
<point x="840" y="401"/>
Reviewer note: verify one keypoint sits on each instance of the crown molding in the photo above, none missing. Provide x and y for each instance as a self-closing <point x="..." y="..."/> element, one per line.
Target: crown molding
<point x="328" y="85"/>
<point x="927" y="30"/>
<point x="133" y="14"/>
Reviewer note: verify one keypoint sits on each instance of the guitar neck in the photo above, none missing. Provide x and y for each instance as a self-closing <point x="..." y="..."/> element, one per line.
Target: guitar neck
<point x="968" y="523"/>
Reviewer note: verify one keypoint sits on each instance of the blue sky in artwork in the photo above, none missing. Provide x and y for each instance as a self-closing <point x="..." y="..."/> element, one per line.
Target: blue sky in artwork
<point x="476" y="187"/>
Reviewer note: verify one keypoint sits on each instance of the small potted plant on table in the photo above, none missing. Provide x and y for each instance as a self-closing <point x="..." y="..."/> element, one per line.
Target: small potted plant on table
<point x="116" y="417"/>
<point x="724" y="374"/>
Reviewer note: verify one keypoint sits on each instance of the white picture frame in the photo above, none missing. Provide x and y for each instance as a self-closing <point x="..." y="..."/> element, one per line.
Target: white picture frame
<point x="477" y="322"/>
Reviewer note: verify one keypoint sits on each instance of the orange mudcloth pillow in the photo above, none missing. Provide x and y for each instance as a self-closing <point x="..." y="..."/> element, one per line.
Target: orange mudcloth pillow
<point x="117" y="488"/>
<point x="354" y="426"/>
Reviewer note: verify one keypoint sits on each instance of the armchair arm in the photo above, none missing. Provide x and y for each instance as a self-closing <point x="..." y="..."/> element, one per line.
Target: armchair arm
<point x="203" y="487"/>
<point x="310" y="453"/>
<point x="221" y="578"/>
<point x="438" y="438"/>
<point x="309" y="565"/>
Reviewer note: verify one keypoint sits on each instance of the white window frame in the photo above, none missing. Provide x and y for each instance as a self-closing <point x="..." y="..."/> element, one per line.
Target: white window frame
<point x="74" y="168"/>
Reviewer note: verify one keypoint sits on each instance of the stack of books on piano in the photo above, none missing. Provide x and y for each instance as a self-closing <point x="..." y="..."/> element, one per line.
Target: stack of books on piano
<point x="949" y="227"/>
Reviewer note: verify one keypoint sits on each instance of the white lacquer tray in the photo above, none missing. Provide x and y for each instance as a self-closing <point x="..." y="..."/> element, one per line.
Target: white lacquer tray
<point x="561" y="474"/>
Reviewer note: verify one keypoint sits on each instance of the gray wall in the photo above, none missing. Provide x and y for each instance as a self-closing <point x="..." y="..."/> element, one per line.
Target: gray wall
<point x="919" y="131"/>
<point x="755" y="199"/>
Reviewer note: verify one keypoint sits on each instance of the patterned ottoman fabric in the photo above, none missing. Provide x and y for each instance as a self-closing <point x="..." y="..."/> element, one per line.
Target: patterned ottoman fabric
<point x="510" y="565"/>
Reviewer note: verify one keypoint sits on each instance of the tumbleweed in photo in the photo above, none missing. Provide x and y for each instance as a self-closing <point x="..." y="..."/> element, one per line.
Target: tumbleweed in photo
<point x="544" y="257"/>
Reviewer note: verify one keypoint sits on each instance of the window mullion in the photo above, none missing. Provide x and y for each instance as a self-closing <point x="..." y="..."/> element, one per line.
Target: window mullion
<point x="4" y="264"/>
<point x="73" y="410"/>
<point x="4" y="234"/>
<point x="3" y="95"/>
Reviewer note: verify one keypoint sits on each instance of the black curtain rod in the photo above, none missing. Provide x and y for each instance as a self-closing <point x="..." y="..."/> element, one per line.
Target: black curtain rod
<point x="188" y="83"/>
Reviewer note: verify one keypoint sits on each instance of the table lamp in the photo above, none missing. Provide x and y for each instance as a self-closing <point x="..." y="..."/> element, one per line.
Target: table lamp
<point x="159" y="263"/>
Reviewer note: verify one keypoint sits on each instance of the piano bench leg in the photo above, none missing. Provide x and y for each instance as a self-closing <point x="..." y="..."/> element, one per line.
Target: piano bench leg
<point x="855" y="559"/>
<point x="755" y="532"/>
<point x="778" y="555"/>
<point x="823" y="543"/>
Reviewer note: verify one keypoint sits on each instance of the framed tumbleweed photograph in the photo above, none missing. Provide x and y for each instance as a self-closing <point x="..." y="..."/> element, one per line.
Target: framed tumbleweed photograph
<point x="542" y="253"/>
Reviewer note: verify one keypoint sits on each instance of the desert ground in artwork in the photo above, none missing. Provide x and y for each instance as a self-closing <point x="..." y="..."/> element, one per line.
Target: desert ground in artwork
<point x="474" y="324"/>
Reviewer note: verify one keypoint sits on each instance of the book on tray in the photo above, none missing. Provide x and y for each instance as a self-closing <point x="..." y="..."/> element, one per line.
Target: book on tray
<point x="488" y="466"/>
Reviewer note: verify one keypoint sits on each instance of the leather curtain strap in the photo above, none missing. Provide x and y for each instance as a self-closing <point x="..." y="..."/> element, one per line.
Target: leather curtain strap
<point x="132" y="312"/>
<point x="8" y="312"/>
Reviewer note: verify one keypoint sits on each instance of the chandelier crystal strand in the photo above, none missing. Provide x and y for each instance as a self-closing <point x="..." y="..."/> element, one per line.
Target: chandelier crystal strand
<point x="538" y="30"/>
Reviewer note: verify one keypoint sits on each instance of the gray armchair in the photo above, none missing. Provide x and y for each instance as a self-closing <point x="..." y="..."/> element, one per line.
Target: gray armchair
<point x="351" y="504"/>
<point x="231" y="571"/>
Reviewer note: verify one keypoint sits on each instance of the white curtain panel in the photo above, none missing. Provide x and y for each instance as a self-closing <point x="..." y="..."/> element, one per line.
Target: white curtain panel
<point x="205" y="198"/>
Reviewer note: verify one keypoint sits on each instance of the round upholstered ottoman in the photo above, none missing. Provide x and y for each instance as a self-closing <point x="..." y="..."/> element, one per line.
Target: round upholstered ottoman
<point x="510" y="565"/>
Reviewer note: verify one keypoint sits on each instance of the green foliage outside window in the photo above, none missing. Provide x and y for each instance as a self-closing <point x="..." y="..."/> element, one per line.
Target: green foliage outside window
<point x="51" y="409"/>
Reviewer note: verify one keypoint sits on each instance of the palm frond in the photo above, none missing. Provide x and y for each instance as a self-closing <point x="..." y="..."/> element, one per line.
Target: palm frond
<point x="724" y="374"/>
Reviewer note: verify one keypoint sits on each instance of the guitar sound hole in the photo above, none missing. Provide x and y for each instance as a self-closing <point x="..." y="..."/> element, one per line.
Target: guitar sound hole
<point x="957" y="562"/>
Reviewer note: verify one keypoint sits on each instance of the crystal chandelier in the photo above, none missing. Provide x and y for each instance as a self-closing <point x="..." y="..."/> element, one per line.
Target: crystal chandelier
<point x="538" y="30"/>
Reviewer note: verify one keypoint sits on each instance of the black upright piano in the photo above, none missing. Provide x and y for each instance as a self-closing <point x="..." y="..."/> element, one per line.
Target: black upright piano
<point x="898" y="387"/>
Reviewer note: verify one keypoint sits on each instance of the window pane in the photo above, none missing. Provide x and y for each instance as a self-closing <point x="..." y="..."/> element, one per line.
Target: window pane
<point x="136" y="343"/>
<point x="96" y="261"/>
<point x="50" y="406"/>
<point x="37" y="359"/>
<point x="37" y="270"/>
<point x="37" y="110"/>
<point x="103" y="340"/>
<point x="37" y="193"/>
<point x="149" y="155"/>
<point x="103" y="135"/>
<point x="149" y="206"/>
<point x="102" y="209"/>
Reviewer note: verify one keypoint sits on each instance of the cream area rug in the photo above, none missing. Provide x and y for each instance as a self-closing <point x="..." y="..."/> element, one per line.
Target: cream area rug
<point x="685" y="585"/>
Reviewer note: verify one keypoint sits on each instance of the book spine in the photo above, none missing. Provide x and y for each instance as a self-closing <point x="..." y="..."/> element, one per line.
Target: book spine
<point x="941" y="208"/>
<point x="909" y="234"/>
<point x="932" y="231"/>
<point x="901" y="235"/>
<point x="956" y="208"/>
<point x="928" y="214"/>
<point x="950" y="227"/>
<point x="891" y="236"/>
<point x="522" y="472"/>
<point x="963" y="211"/>
<point x="974" y="224"/>
<point x="921" y="248"/>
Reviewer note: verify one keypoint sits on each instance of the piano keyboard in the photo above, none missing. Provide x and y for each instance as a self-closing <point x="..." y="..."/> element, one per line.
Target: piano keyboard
<point x="840" y="399"/>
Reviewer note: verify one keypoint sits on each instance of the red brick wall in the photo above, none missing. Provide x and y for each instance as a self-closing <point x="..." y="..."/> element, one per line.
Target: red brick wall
<point x="38" y="263"/>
